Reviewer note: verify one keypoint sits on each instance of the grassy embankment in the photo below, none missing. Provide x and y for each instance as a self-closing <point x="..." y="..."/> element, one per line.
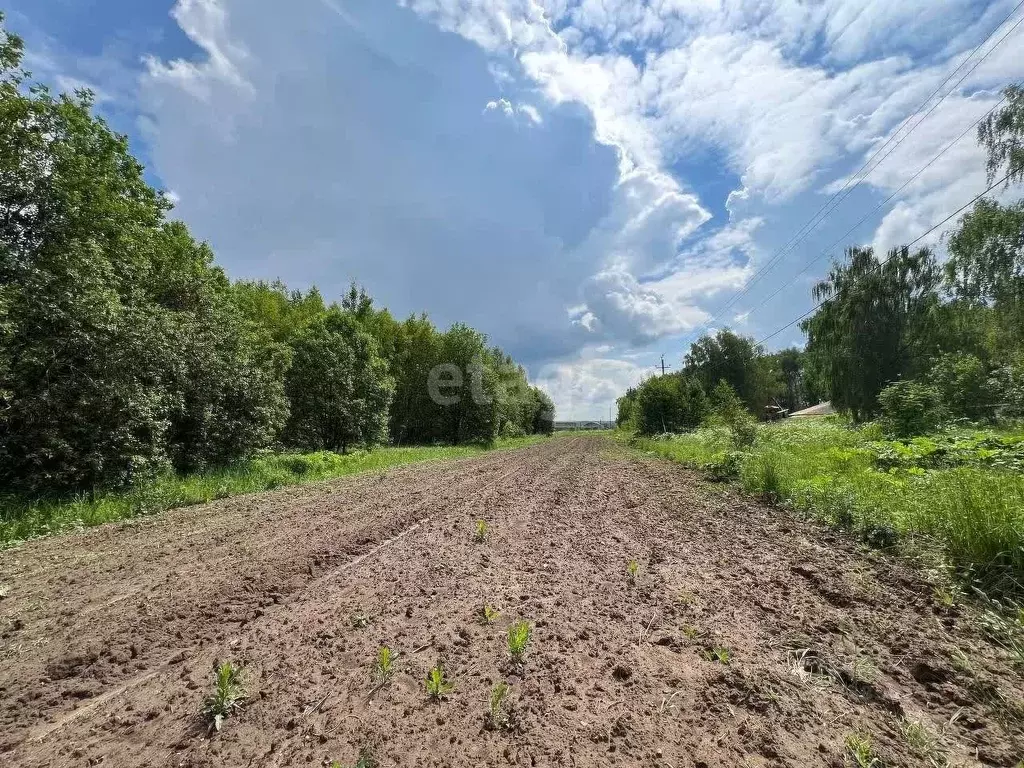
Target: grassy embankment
<point x="960" y="492"/>
<point x="22" y="518"/>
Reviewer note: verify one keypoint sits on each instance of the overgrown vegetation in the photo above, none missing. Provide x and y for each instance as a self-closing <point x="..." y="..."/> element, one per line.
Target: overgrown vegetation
<point x="960" y="489"/>
<point x="925" y="363"/>
<point x="127" y="355"/>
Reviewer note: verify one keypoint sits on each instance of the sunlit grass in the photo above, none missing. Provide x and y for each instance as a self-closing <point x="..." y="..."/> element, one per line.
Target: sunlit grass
<point x="830" y="470"/>
<point x="22" y="518"/>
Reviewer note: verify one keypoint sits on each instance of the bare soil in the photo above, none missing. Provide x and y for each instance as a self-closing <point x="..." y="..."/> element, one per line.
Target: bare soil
<point x="108" y="638"/>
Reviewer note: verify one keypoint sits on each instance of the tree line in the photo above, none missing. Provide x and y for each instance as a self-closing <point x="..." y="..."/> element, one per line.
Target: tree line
<point x="908" y="338"/>
<point x="125" y="351"/>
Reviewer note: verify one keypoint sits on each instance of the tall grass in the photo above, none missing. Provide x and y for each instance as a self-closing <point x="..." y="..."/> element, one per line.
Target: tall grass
<point x="829" y="470"/>
<point x="23" y="518"/>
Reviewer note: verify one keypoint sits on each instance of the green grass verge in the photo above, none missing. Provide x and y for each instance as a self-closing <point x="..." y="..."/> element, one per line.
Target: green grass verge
<point x="22" y="519"/>
<point x="967" y="500"/>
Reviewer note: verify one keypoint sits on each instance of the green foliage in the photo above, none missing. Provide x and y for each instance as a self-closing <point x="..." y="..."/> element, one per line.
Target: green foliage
<point x="480" y="533"/>
<point x="367" y="759"/>
<point x="488" y="614"/>
<point x="500" y="712"/>
<point x="632" y="571"/>
<point x="962" y="490"/>
<point x="964" y="385"/>
<point x="518" y="640"/>
<point x="718" y="654"/>
<point x="729" y="411"/>
<point x="738" y="361"/>
<point x="437" y="685"/>
<point x="1002" y="135"/>
<point x="227" y="695"/>
<point x="910" y="408"/>
<point x="861" y="750"/>
<point x="338" y="386"/>
<point x="671" y="403"/>
<point x="384" y="665"/>
<point x="875" y="324"/>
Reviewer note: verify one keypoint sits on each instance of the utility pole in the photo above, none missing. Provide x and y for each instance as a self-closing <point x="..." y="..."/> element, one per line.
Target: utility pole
<point x="663" y="366"/>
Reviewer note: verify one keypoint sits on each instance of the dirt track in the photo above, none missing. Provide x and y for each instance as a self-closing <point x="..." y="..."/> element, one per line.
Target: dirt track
<point x="107" y="638"/>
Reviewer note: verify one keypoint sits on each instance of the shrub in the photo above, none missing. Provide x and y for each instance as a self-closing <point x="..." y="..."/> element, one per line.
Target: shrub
<point x="672" y="403"/>
<point x="910" y="408"/>
<point x="963" y="382"/>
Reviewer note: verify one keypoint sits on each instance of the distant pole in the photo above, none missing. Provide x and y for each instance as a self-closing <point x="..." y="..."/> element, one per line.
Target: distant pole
<point x="662" y="365"/>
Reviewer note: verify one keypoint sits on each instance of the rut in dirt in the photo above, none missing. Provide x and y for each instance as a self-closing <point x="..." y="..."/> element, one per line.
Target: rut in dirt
<point x="747" y="637"/>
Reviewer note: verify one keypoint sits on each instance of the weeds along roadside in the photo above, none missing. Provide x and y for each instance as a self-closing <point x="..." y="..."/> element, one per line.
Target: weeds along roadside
<point x="25" y="518"/>
<point x="960" y="492"/>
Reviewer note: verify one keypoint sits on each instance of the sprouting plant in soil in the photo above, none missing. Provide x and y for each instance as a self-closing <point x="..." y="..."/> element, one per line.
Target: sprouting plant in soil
<point x="860" y="749"/>
<point x="438" y="686"/>
<point x="227" y="694"/>
<point x="384" y="666"/>
<point x="367" y="759"/>
<point x="481" y="531"/>
<point x="633" y="571"/>
<point x="518" y="639"/>
<point x="718" y="654"/>
<point x="500" y="711"/>
<point x="488" y="614"/>
<point x="360" y="621"/>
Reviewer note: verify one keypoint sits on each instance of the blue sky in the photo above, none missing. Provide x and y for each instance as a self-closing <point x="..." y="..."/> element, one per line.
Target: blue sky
<point x="591" y="183"/>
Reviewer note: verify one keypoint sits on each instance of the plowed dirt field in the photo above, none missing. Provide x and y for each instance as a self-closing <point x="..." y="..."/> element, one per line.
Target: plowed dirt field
<point x="747" y="638"/>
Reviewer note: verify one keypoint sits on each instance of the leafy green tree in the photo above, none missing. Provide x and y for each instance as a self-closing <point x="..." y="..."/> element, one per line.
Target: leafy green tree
<point x="470" y="411"/>
<point x="83" y="348"/>
<point x="543" y="413"/>
<point x="737" y="360"/>
<point x="875" y="325"/>
<point x="280" y="313"/>
<point x="670" y="403"/>
<point x="338" y="386"/>
<point x="626" y="410"/>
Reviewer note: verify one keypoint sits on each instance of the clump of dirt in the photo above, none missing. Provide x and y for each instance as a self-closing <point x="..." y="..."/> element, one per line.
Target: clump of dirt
<point x="744" y="638"/>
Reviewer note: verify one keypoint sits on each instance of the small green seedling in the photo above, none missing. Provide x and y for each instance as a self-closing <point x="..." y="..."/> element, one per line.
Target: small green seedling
<point x="437" y="686"/>
<point x="719" y="655"/>
<point x="860" y="749"/>
<point x="227" y="696"/>
<point x="488" y="614"/>
<point x="518" y="639"/>
<point x="691" y="632"/>
<point x="384" y="667"/>
<point x="632" y="571"/>
<point x="481" y="531"/>
<point x="366" y="760"/>
<point x="500" y="711"/>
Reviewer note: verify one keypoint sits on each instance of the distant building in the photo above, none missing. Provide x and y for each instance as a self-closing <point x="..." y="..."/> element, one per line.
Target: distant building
<point x="566" y="426"/>
<point x="821" y="409"/>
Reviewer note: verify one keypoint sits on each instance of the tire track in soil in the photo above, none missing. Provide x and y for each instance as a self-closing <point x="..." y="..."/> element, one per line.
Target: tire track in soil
<point x="613" y="676"/>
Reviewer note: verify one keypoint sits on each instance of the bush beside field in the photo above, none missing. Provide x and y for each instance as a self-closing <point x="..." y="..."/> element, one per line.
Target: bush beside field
<point x="961" y="489"/>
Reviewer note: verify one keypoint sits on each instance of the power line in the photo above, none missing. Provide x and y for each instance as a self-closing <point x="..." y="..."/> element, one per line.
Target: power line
<point x="882" y="263"/>
<point x="878" y="207"/>
<point x="847" y="189"/>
